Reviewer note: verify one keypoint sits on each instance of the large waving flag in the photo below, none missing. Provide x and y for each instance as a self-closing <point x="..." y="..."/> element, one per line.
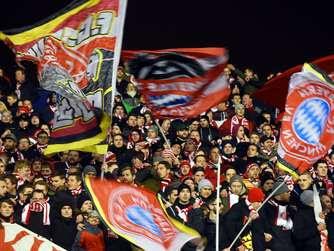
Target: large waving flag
<point x="14" y="237"/>
<point x="274" y="92"/>
<point x="76" y="51"/>
<point x="180" y="82"/>
<point x="136" y="215"/>
<point x="307" y="130"/>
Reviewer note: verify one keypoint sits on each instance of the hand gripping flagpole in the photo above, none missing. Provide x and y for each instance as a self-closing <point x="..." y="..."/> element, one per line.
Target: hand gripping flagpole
<point x="257" y="210"/>
<point x="117" y="55"/>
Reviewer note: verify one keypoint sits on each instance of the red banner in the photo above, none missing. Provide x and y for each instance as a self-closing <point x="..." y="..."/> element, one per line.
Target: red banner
<point x="180" y="83"/>
<point x="14" y="237"/>
<point x="307" y="131"/>
<point x="274" y="92"/>
<point x="136" y="215"/>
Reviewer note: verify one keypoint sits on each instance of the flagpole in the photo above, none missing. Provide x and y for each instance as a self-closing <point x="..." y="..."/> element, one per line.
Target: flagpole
<point x="257" y="210"/>
<point x="117" y="55"/>
<point x="162" y="133"/>
<point x="217" y="207"/>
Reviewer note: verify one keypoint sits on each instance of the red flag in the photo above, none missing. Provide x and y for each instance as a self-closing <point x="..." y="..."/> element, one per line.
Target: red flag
<point x="274" y="92"/>
<point x="14" y="237"/>
<point x="136" y="215"/>
<point x="180" y="82"/>
<point x="307" y="130"/>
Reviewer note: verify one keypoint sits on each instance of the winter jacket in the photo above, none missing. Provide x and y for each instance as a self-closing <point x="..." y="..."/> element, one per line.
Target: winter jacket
<point x="305" y="233"/>
<point x="63" y="232"/>
<point x="89" y="239"/>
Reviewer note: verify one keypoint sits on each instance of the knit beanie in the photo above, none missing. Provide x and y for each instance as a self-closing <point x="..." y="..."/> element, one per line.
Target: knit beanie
<point x="183" y="186"/>
<point x="283" y="189"/>
<point x="81" y="200"/>
<point x="255" y="195"/>
<point x="204" y="183"/>
<point x="306" y="197"/>
<point x="89" y="169"/>
<point x="236" y="178"/>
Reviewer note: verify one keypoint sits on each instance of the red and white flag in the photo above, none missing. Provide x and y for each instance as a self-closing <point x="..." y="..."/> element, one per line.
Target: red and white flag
<point x="180" y="83"/>
<point x="14" y="237"/>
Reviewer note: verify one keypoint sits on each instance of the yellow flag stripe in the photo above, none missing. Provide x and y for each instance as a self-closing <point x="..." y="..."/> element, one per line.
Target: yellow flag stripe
<point x="47" y="28"/>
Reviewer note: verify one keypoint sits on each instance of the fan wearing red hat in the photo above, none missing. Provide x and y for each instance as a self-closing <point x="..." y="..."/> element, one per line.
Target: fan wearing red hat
<point x="185" y="169"/>
<point x="253" y="236"/>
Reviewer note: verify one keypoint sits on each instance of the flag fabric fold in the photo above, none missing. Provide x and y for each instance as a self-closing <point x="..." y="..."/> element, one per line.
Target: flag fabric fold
<point x="14" y="237"/>
<point x="137" y="215"/>
<point x="307" y="126"/>
<point x="180" y="83"/>
<point x="75" y="54"/>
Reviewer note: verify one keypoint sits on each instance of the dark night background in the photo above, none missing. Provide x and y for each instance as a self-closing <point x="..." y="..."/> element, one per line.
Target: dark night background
<point x="267" y="36"/>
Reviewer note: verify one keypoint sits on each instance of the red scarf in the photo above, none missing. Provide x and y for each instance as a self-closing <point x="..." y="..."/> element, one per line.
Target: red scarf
<point x="36" y="207"/>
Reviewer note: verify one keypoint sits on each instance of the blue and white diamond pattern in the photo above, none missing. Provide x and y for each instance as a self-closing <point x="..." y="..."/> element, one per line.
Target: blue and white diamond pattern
<point x="310" y="119"/>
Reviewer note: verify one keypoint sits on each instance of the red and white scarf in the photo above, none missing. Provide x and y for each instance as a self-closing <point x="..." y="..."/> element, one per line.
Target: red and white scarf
<point x="76" y="192"/>
<point x="236" y="122"/>
<point x="36" y="207"/>
<point x="282" y="217"/>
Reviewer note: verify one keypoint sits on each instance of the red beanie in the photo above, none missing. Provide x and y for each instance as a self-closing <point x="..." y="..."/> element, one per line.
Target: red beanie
<point x="255" y="195"/>
<point x="184" y="163"/>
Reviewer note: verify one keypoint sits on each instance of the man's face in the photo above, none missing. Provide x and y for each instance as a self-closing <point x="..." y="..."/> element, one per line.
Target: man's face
<point x="198" y="176"/>
<point x="213" y="206"/>
<point x="185" y="169"/>
<point x="73" y="183"/>
<point x="326" y="202"/>
<point x="183" y="134"/>
<point x="94" y="221"/>
<point x="172" y="196"/>
<point x="6" y="209"/>
<point x="184" y="195"/>
<point x="9" y="144"/>
<point x="254" y="139"/>
<point x="322" y="170"/>
<point x="43" y="138"/>
<point x="246" y="100"/>
<point x="204" y="123"/>
<point x="304" y="181"/>
<point x="118" y="141"/>
<point x="132" y="121"/>
<point x="205" y="192"/>
<point x="23" y="144"/>
<point x="37" y="166"/>
<point x="267" y="130"/>
<point x="2" y="167"/>
<point x="228" y="149"/>
<point x="66" y="212"/>
<point x="236" y="100"/>
<point x="20" y="76"/>
<point x="37" y="197"/>
<point x="236" y="188"/>
<point x="268" y="185"/>
<point x="229" y="174"/>
<point x="3" y="188"/>
<point x="41" y="187"/>
<point x="162" y="171"/>
<point x="6" y="117"/>
<point x="214" y="155"/>
<point x="87" y="206"/>
<point x="127" y="176"/>
<point x="73" y="157"/>
<point x="57" y="182"/>
<point x="222" y="106"/>
<point x="9" y="185"/>
<point x="252" y="151"/>
<point x="253" y="172"/>
<point x="240" y="112"/>
<point x="201" y="161"/>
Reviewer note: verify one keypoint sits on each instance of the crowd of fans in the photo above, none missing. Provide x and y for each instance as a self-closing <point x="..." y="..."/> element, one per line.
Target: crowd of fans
<point x="178" y="160"/>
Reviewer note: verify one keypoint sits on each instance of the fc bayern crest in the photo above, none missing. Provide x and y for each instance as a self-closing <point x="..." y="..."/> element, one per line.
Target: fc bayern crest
<point x="310" y="120"/>
<point x="308" y="123"/>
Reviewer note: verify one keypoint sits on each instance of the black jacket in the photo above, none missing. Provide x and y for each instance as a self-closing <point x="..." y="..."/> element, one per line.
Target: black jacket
<point x="330" y="229"/>
<point x="234" y="220"/>
<point x="63" y="232"/>
<point x="305" y="233"/>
